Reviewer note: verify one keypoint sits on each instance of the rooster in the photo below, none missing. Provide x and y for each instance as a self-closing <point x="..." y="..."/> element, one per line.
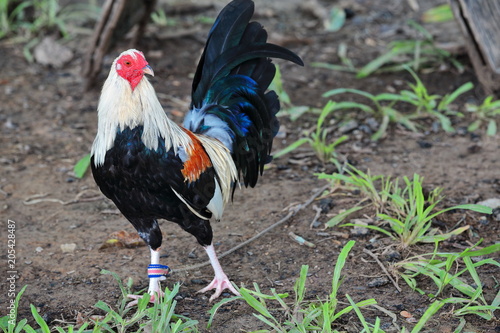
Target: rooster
<point x="152" y="168"/>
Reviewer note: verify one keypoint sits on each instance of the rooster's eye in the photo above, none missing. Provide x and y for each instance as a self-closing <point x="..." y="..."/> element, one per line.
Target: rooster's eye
<point x="127" y="63"/>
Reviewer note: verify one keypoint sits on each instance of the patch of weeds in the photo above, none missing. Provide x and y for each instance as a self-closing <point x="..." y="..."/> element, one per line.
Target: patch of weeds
<point x="318" y="139"/>
<point x="385" y="111"/>
<point x="159" y="317"/>
<point x="408" y="212"/>
<point x="415" y="53"/>
<point x="424" y="105"/>
<point x="9" y="323"/>
<point x="354" y="179"/>
<point x="486" y="113"/>
<point x="414" y="214"/>
<point x="25" y="21"/>
<point x="346" y="63"/>
<point x="454" y="270"/>
<point x="36" y="16"/>
<point x="302" y="315"/>
<point x="432" y="105"/>
<point x="160" y="18"/>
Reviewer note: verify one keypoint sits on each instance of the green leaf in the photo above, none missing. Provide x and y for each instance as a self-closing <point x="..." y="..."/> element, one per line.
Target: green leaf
<point x="291" y="147"/>
<point x="81" y="166"/>
<point x="441" y="13"/>
<point x="216" y="307"/>
<point x="337" y="19"/>
<point x="492" y="128"/>
<point x="341" y="216"/>
<point x="474" y="125"/>
<point x="459" y="91"/>
<point x="334" y="67"/>
<point x="341" y="260"/>
<point x="485" y="251"/>
<point x="380" y="61"/>
<point x="40" y="321"/>
<point x="431" y="310"/>
<point x="348" y="90"/>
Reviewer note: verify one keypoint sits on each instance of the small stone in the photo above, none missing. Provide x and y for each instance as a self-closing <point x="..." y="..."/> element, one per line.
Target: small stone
<point x="350" y="126"/>
<point x="359" y="230"/>
<point x="484" y="220"/>
<point x="474" y="149"/>
<point x="393" y="256"/>
<point x="68" y="248"/>
<point x="492" y="203"/>
<point x="424" y="144"/>
<point x="462" y="131"/>
<point x="373" y="124"/>
<point x="405" y="314"/>
<point x="316" y="224"/>
<point x="39" y="249"/>
<point x="198" y="281"/>
<point x="496" y="214"/>
<point x="51" y="53"/>
<point x="326" y="204"/>
<point x="378" y="282"/>
<point x="28" y="262"/>
<point x="10" y="125"/>
<point x="192" y="255"/>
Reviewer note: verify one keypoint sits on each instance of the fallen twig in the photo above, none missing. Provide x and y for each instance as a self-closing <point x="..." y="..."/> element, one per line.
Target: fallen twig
<point x="374" y="256"/>
<point x="39" y="198"/>
<point x="292" y="212"/>
<point x="318" y="211"/>
<point x="301" y="240"/>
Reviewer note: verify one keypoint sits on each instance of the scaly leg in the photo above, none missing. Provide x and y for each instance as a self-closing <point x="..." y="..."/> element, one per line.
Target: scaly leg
<point x="220" y="281"/>
<point x="156" y="273"/>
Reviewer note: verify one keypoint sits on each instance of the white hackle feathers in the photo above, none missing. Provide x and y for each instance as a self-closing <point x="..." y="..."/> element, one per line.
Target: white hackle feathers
<point x="121" y="107"/>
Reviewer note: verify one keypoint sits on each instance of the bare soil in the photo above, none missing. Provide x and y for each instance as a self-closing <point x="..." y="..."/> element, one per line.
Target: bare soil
<point x="48" y="123"/>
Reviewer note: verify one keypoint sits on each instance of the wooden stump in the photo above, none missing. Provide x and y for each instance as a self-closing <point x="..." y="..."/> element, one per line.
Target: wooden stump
<point x="479" y="21"/>
<point x="117" y="18"/>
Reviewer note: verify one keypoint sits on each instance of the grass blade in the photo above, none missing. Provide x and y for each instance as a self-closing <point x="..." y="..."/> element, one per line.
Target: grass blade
<point x="341" y="216"/>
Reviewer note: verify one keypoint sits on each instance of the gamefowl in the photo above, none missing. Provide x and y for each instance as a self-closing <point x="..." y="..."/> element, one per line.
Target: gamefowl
<point x="152" y="168"/>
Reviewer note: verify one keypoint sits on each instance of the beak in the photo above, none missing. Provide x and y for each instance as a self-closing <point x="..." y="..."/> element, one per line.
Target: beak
<point x="148" y="70"/>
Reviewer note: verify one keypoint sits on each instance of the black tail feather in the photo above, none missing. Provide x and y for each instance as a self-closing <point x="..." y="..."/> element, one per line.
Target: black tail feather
<point x="230" y="83"/>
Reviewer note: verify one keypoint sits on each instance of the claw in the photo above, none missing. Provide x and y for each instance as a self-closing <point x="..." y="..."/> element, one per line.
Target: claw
<point x="220" y="281"/>
<point x="152" y="299"/>
<point x="219" y="284"/>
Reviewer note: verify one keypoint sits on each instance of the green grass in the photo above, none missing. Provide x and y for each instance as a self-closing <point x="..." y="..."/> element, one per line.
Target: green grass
<point x="420" y="104"/>
<point x="487" y="113"/>
<point x="406" y="211"/>
<point x="350" y="178"/>
<point x="279" y="314"/>
<point x="301" y="315"/>
<point x="27" y="21"/>
<point x="158" y="317"/>
<point x="416" y="53"/>
<point x="319" y="139"/>
<point x="457" y="271"/>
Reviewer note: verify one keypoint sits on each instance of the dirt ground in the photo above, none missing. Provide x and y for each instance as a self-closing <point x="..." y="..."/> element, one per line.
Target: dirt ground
<point x="48" y="123"/>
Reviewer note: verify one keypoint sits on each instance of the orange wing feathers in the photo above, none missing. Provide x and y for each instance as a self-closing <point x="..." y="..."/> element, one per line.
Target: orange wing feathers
<point x="198" y="160"/>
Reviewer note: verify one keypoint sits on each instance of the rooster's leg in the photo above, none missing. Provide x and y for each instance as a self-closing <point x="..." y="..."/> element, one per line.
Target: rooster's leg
<point x="220" y="281"/>
<point x="156" y="273"/>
